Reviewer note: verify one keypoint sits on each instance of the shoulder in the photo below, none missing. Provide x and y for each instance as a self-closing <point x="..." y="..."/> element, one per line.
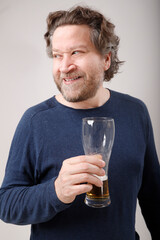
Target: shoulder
<point x="133" y="109"/>
<point x="34" y="112"/>
<point x="40" y="108"/>
<point x="127" y="101"/>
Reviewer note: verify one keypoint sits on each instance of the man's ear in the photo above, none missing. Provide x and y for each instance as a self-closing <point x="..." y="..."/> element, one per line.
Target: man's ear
<point x="107" y="61"/>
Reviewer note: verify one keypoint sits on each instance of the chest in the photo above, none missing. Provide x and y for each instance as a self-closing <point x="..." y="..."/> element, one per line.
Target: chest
<point x="63" y="139"/>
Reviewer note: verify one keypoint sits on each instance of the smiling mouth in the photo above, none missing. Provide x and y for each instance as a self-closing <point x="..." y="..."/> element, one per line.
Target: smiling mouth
<point x="70" y="80"/>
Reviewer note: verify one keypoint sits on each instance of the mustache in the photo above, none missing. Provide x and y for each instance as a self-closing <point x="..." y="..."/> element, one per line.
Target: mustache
<point x="71" y="75"/>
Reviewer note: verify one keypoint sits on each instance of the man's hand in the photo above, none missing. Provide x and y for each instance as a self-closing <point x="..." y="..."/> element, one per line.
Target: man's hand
<point x="77" y="176"/>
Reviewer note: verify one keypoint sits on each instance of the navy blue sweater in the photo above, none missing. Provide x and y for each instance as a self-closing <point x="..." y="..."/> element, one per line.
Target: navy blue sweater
<point x="49" y="133"/>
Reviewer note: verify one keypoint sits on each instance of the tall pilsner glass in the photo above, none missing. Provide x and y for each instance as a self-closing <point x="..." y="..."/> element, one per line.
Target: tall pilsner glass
<point x="98" y="137"/>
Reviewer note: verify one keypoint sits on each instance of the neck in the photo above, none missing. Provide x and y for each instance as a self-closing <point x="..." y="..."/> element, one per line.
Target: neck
<point x="98" y="100"/>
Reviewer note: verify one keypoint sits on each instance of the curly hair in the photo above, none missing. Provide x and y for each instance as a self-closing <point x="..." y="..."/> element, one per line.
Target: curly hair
<point x="102" y="33"/>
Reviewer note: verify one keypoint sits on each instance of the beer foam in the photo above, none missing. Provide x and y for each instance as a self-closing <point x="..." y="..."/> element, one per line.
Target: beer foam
<point x="102" y="178"/>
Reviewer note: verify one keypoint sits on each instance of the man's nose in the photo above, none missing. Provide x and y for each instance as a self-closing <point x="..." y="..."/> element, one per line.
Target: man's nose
<point x="67" y="64"/>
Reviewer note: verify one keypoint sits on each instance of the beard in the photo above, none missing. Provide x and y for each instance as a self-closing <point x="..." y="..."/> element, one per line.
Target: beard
<point x="83" y="88"/>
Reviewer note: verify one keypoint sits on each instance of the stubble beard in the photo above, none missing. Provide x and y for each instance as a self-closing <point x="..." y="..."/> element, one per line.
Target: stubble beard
<point x="80" y="90"/>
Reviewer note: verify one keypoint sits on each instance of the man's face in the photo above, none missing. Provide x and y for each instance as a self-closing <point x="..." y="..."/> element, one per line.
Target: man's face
<point x="78" y="68"/>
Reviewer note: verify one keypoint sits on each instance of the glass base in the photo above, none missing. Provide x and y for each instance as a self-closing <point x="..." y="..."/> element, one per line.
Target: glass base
<point x="97" y="202"/>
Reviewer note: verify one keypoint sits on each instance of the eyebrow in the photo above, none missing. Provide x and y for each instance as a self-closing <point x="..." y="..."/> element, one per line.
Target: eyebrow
<point x="71" y="48"/>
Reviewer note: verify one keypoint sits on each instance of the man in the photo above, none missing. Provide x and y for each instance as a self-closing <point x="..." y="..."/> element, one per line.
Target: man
<point x="47" y="173"/>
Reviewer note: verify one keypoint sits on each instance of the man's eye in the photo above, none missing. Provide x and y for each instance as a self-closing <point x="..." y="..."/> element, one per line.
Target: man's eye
<point x="75" y="52"/>
<point x="56" y="55"/>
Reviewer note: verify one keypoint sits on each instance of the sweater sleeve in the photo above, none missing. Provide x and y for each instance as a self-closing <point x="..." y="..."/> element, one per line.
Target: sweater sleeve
<point x="22" y="199"/>
<point x="149" y="194"/>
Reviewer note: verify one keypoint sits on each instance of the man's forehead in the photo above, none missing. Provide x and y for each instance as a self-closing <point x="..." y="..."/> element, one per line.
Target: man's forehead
<point x="71" y="37"/>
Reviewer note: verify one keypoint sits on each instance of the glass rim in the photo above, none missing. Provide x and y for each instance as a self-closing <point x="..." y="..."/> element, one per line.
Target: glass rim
<point x="98" y="118"/>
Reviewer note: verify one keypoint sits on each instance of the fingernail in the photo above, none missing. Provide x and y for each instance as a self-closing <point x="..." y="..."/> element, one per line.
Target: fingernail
<point x="103" y="162"/>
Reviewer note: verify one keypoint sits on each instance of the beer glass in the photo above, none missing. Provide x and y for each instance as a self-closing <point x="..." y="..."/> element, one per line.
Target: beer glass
<point x="97" y="138"/>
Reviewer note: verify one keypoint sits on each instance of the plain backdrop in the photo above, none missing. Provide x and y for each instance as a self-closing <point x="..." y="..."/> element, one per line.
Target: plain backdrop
<point x="26" y="71"/>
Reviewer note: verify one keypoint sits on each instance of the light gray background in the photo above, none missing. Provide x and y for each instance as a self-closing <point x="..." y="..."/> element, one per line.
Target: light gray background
<point x="26" y="72"/>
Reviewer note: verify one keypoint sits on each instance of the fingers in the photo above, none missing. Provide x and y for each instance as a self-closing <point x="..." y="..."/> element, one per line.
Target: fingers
<point x="93" y="159"/>
<point x="80" y="189"/>
<point x="85" y="164"/>
<point x="85" y="168"/>
<point x="74" y="172"/>
<point x="85" y="178"/>
<point x="70" y="193"/>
